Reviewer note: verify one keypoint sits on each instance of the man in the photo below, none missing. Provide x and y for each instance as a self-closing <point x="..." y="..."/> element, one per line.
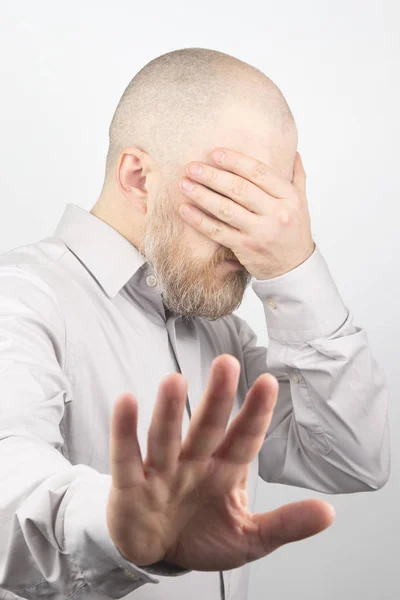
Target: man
<point x="122" y="319"/>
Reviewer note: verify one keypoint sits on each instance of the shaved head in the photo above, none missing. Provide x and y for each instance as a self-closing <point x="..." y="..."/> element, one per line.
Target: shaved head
<point x="173" y="107"/>
<point x="177" y="109"/>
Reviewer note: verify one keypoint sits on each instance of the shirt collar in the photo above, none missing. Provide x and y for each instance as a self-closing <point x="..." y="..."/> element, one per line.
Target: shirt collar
<point x="110" y="258"/>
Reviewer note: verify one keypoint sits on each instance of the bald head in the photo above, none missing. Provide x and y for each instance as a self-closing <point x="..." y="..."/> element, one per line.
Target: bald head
<point x="177" y="109"/>
<point x="183" y="103"/>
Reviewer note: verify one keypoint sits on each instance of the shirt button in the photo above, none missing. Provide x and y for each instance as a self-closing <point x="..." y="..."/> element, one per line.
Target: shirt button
<point x="131" y="575"/>
<point x="151" y="280"/>
<point x="295" y="377"/>
<point x="271" y="303"/>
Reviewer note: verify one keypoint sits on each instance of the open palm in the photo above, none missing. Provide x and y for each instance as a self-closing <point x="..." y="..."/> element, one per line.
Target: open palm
<point x="187" y="502"/>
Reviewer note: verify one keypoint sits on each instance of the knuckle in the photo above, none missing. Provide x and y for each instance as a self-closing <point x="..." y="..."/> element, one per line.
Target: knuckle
<point x="211" y="175"/>
<point x="226" y="210"/>
<point x="197" y="192"/>
<point x="236" y="161"/>
<point x="216" y="232"/>
<point x="201" y="223"/>
<point x="239" y="186"/>
<point x="259" y="171"/>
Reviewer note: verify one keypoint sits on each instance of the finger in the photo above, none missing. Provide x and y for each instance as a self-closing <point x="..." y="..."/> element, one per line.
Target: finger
<point x="208" y="422"/>
<point x="228" y="208"/>
<point x="126" y="463"/>
<point x="256" y="171"/>
<point x="164" y="438"/>
<point x="210" y="227"/>
<point x="289" y="523"/>
<point x="299" y="174"/>
<point x="246" y="433"/>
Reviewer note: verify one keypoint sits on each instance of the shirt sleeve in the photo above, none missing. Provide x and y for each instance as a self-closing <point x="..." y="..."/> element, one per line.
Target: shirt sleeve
<point x="329" y="431"/>
<point x="54" y="539"/>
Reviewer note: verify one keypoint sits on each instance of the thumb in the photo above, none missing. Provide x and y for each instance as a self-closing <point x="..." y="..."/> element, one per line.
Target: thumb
<point x="299" y="174"/>
<point x="291" y="523"/>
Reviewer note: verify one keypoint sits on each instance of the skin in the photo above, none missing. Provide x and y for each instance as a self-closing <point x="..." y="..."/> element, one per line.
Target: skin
<point x="144" y="207"/>
<point x="186" y="502"/>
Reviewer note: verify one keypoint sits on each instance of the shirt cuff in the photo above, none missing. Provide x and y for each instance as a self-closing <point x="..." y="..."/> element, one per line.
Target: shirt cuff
<point x="302" y="304"/>
<point x="87" y="540"/>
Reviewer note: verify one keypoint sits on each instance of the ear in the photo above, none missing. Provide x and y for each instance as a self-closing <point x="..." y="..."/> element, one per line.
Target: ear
<point x="299" y="174"/>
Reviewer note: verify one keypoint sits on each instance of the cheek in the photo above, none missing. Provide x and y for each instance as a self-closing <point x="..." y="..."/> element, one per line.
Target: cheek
<point x="198" y="245"/>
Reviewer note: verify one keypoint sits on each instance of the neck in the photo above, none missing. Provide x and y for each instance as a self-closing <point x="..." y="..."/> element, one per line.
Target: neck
<point x="120" y="216"/>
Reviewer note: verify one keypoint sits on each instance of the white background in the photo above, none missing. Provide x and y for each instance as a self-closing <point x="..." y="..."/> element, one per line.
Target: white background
<point x="64" y="68"/>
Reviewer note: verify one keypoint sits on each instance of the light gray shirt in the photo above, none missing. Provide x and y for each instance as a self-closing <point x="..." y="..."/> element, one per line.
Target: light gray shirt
<point x="81" y="321"/>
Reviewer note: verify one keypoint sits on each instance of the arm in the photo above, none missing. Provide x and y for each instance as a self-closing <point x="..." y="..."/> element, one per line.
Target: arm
<point x="329" y="431"/>
<point x="54" y="534"/>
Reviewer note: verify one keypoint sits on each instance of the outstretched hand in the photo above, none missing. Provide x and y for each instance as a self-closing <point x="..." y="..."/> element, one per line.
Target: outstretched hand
<point x="186" y="503"/>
